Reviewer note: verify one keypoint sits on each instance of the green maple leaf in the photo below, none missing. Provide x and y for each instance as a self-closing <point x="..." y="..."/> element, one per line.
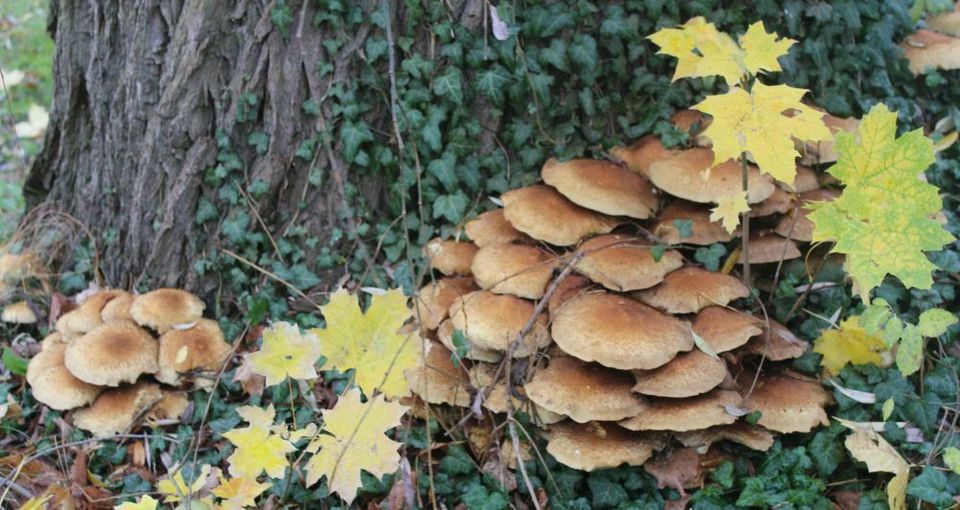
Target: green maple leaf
<point x="884" y="220"/>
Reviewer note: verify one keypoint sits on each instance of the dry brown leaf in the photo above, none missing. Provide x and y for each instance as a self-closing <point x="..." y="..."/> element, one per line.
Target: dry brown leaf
<point x="251" y="382"/>
<point x="867" y="446"/>
<point x="679" y="470"/>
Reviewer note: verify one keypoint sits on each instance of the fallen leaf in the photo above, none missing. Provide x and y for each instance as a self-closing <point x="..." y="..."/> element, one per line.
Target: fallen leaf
<point x="144" y="503"/>
<point x="239" y="492"/>
<point x="251" y="382"/>
<point x="679" y="470"/>
<point x="497" y="25"/>
<point x="728" y="211"/>
<point x="258" y="449"/>
<point x="869" y="447"/>
<point x="849" y="344"/>
<point x="286" y="352"/>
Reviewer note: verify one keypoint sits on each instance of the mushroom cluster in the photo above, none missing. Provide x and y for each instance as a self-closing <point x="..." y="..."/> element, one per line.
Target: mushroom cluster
<point x="574" y="303"/>
<point x="122" y="356"/>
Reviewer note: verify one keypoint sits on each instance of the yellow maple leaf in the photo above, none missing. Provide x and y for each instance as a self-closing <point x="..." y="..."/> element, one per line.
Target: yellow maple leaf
<point x="144" y="503"/>
<point x="701" y="50"/>
<point x="728" y="211"/>
<point x="370" y="342"/>
<point x="174" y="488"/>
<point x="239" y="492"/>
<point x="355" y="440"/>
<point x="869" y="447"/>
<point x="286" y="352"/>
<point x="762" y="50"/>
<point x="849" y="344"/>
<point x="258" y="448"/>
<point x="754" y="122"/>
<point x="36" y="503"/>
<point x="258" y="416"/>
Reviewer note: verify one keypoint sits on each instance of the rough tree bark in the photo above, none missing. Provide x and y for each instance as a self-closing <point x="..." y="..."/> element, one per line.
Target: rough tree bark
<point x="143" y="86"/>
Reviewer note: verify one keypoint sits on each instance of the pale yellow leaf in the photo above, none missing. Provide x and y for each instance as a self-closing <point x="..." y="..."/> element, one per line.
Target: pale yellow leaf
<point x="355" y="440"/>
<point x="257" y="449"/>
<point x="728" y="211"/>
<point x="849" y="344"/>
<point x="762" y="49"/>
<point x="239" y="492"/>
<point x="258" y="416"/>
<point x="286" y="352"/>
<point x="144" y="503"/>
<point x="869" y="447"/>
<point x="174" y="488"/>
<point x="701" y="50"/>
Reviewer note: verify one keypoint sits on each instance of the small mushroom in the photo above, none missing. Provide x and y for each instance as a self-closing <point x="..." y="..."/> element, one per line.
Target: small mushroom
<point x="789" y="402"/>
<point x="690" y="289"/>
<point x="642" y="153"/>
<point x="54" y="385"/>
<point x="583" y="391"/>
<point x="778" y="345"/>
<point x="755" y="438"/>
<point x="947" y="23"/>
<point x="618" y="332"/>
<point x="118" y="308"/>
<point x="595" y="445"/>
<point x="112" y="353"/>
<point x="201" y="347"/>
<point x="568" y="288"/>
<point x="823" y="152"/>
<point x="162" y="309"/>
<point x="685" y="414"/>
<point x="451" y="258"/>
<point x="85" y="317"/>
<point x="445" y="334"/>
<point x="493" y="322"/>
<point x="18" y="313"/>
<point x="688" y="375"/>
<point x="725" y="329"/>
<point x="779" y="202"/>
<point x="602" y="186"/>
<point x="694" y="123"/>
<point x="622" y="263"/>
<point x="491" y="228"/>
<point x="438" y="380"/>
<point x="545" y="215"/>
<point x="116" y="410"/>
<point x="169" y="409"/>
<point x="495" y="399"/>
<point x="768" y="247"/>
<point x="685" y="176"/>
<point x="927" y="49"/>
<point x="517" y="269"/>
<point x="702" y="230"/>
<point x="434" y="299"/>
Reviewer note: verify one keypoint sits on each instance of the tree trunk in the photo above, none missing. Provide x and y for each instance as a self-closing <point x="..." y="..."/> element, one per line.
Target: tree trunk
<point x="147" y="94"/>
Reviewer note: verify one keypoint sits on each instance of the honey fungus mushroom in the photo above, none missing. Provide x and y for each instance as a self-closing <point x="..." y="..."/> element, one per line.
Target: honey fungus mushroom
<point x="439" y="380"/>
<point x="493" y="322"/>
<point x="53" y="385"/>
<point x="618" y="332"/>
<point x="685" y="414"/>
<point x="18" y="313"/>
<point x="162" y="309"/>
<point x="198" y="348"/>
<point x="789" y="403"/>
<point x="516" y="269"/>
<point x="692" y="289"/>
<point x="116" y="410"/>
<point x="545" y="215"/>
<point x="602" y="186"/>
<point x="688" y="375"/>
<point x="450" y="257"/>
<point x="87" y="316"/>
<point x="112" y="353"/>
<point x="596" y="445"/>
<point x="583" y="391"/>
<point x="622" y="263"/>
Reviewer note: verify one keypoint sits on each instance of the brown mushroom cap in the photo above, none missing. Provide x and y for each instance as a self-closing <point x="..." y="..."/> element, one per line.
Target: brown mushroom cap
<point x="691" y="289"/>
<point x="85" y="317"/>
<point x="112" y="353"/>
<point x="438" y="380"/>
<point x="684" y="414"/>
<point x="789" y="403"/>
<point x="545" y="215"/>
<point x="618" y="332"/>
<point x="434" y="299"/>
<point x="801" y="228"/>
<point x="18" y="313"/>
<point x="806" y="179"/>
<point x="445" y="333"/>
<point x="946" y="22"/>
<point x="169" y="408"/>
<point x="768" y="247"/>
<point x="118" y="308"/>
<point x="583" y="391"/>
<point x="823" y="152"/>
<point x="492" y="322"/>
<point x="928" y="49"/>
<point x="684" y="176"/>
<point x="161" y="309"/>
<point x="702" y="232"/>
<point x="779" y="202"/>
<point x="492" y="227"/>
<point x="642" y="153"/>
<point x="602" y="186"/>
<point x="52" y="340"/>
<point x="689" y="374"/>
<point x="14" y="267"/>
<point x="116" y="410"/>
<point x="623" y="263"/>
<point x="53" y="385"/>
<point x="200" y="347"/>
<point x="451" y="258"/>
<point x="482" y="378"/>
<point x="517" y="269"/>
<point x="725" y="329"/>
<point x="591" y="446"/>
<point x="568" y="288"/>
<point x="780" y="344"/>
<point x="755" y="438"/>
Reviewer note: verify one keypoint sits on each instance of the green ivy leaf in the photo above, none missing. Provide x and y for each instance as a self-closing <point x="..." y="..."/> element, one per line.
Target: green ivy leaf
<point x="259" y="141"/>
<point x="583" y="53"/>
<point x="444" y="169"/>
<point x="606" y="493"/>
<point x="934" y="322"/>
<point x="451" y="207"/>
<point x="492" y="83"/>
<point x="450" y="85"/>
<point x="352" y="135"/>
<point x="931" y="486"/>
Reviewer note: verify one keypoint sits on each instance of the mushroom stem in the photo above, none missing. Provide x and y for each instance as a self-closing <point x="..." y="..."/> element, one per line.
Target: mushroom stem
<point x="745" y="238"/>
